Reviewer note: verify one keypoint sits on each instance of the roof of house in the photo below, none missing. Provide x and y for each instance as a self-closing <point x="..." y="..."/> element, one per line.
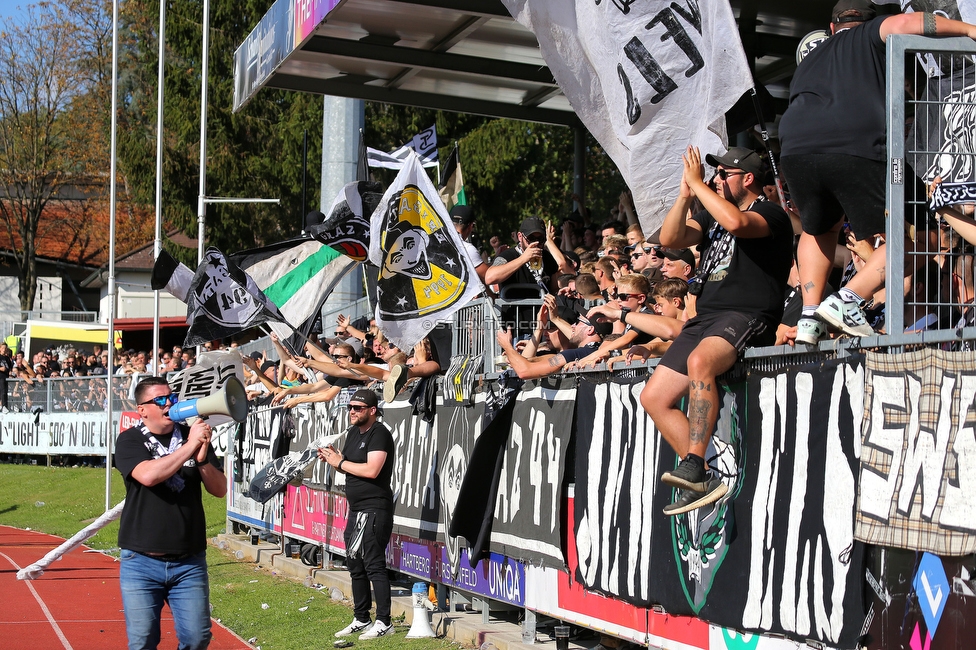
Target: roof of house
<point x="142" y="258"/>
<point x="77" y="233"/>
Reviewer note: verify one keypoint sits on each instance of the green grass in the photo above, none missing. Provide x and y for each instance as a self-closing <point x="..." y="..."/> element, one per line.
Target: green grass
<point x="72" y="497"/>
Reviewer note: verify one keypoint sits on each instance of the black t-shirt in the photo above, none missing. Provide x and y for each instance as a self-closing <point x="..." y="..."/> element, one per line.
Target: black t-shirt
<point x="750" y="274"/>
<point x="837" y="97"/>
<point x="523" y="275"/>
<point x="343" y="382"/>
<point x="575" y="354"/>
<point x="522" y="317"/>
<point x="366" y="494"/>
<point x="157" y="519"/>
<point x="6" y="365"/>
<point x="642" y="337"/>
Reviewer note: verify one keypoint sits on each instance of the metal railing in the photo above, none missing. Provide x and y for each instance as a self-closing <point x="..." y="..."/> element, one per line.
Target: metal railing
<point x="475" y="325"/>
<point x="71" y="394"/>
<point x="941" y="105"/>
<point x="353" y="310"/>
<point x="69" y="316"/>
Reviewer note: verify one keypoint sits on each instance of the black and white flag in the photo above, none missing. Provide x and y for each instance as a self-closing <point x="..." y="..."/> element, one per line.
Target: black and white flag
<point x="424" y="144"/>
<point x="224" y="300"/>
<point x="172" y="276"/>
<point x="646" y="78"/>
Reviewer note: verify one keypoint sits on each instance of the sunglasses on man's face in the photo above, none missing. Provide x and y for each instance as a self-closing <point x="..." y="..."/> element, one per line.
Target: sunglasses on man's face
<point x="724" y="174"/>
<point x="627" y="296"/>
<point x="162" y="400"/>
<point x="354" y="407"/>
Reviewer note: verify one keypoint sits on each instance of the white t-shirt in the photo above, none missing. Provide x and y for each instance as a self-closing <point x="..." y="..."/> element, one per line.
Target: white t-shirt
<point x="473" y="254"/>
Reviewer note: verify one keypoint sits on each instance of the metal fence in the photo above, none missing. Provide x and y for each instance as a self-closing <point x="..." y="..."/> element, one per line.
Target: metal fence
<point x="931" y="107"/>
<point x="71" y="394"/>
<point x="68" y="316"/>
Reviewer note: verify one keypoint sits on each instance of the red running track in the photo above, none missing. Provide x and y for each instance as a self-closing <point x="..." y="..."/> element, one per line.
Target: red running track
<point x="75" y="605"/>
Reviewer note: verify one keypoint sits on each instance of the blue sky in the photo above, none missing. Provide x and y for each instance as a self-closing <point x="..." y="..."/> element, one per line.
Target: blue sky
<point x="12" y="9"/>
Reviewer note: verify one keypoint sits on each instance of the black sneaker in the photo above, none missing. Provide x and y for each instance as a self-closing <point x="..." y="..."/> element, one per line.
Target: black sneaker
<point x="687" y="476"/>
<point x="688" y="500"/>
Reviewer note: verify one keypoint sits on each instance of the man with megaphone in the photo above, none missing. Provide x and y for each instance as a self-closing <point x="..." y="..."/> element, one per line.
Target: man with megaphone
<point x="162" y="534"/>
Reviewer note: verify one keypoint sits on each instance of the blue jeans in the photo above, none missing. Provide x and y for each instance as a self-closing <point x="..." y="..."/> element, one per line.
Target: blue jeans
<point x="147" y="582"/>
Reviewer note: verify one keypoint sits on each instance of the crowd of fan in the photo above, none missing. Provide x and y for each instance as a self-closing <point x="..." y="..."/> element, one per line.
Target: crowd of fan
<point x="75" y="378"/>
<point x="615" y="265"/>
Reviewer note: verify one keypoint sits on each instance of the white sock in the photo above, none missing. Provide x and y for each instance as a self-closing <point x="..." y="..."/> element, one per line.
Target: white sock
<point x="849" y="296"/>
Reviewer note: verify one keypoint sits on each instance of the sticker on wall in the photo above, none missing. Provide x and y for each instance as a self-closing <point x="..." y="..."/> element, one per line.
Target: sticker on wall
<point x="932" y="591"/>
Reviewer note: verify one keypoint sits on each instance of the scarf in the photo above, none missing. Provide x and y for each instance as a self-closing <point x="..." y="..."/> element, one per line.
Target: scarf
<point x="156" y="448"/>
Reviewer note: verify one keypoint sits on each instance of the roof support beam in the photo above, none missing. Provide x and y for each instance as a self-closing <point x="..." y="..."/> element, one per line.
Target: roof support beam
<point x="476" y="7"/>
<point x="414" y="58"/>
<point x="342" y="87"/>
<point x="452" y="39"/>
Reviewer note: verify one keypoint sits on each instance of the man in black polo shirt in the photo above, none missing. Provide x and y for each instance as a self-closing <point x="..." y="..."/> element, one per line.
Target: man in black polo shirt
<point x="367" y="460"/>
<point x="162" y="533"/>
<point x="745" y="243"/>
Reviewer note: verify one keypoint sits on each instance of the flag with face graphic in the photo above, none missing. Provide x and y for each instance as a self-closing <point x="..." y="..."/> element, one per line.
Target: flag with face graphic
<point x="424" y="276"/>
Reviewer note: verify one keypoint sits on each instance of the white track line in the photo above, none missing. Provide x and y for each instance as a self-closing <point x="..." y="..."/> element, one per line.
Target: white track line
<point x="47" y="612"/>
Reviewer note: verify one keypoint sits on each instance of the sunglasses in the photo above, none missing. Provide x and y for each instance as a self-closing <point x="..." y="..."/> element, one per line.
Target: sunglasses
<point x="535" y="239"/>
<point x="723" y="174"/>
<point x="162" y="400"/>
<point x="342" y="356"/>
<point x="627" y="296"/>
<point x="357" y="408"/>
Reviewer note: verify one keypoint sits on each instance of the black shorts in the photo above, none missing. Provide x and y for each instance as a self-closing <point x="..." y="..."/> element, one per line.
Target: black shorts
<point x="826" y="186"/>
<point x="737" y="328"/>
<point x="441" y="339"/>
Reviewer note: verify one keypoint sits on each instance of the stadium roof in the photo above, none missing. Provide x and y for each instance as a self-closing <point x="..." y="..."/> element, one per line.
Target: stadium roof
<point x="461" y="55"/>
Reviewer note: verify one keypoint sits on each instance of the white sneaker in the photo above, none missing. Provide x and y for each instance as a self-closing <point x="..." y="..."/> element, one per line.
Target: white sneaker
<point x="810" y="330"/>
<point x="379" y="629"/>
<point x="398" y="377"/>
<point x="846" y="316"/>
<point x="352" y="628"/>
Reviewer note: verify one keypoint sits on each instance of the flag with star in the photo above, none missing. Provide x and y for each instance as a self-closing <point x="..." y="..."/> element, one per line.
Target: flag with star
<point x="424" y="274"/>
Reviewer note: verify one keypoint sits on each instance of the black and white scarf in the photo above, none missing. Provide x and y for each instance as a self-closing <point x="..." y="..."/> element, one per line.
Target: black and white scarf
<point x="156" y="448"/>
<point x="722" y="243"/>
<point x="537" y="275"/>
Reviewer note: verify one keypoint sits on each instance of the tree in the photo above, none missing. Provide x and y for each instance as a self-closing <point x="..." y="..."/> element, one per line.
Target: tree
<point x="254" y="153"/>
<point x="511" y="169"/>
<point x="39" y="80"/>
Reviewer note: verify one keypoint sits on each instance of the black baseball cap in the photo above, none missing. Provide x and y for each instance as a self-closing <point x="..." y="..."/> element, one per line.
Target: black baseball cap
<point x="462" y="214"/>
<point x="602" y="328"/>
<point x="364" y="396"/>
<point x="532" y="225"/>
<point x="858" y="11"/>
<point x="683" y="254"/>
<point x="738" y="158"/>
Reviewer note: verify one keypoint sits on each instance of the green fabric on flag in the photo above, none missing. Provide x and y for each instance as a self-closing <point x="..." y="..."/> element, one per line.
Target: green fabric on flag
<point x="285" y="287"/>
